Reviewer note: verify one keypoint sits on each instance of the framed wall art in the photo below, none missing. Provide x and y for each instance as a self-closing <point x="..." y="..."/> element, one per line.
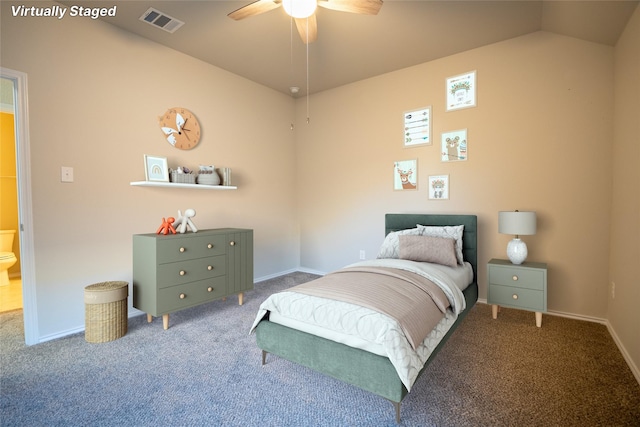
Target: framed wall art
<point x="156" y="168"/>
<point x="405" y="175"/>
<point x="438" y="187"/>
<point x="417" y="127"/>
<point x="461" y="91"/>
<point x="454" y="146"/>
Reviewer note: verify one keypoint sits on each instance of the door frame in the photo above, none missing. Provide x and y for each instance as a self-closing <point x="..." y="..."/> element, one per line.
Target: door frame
<point x="25" y="212"/>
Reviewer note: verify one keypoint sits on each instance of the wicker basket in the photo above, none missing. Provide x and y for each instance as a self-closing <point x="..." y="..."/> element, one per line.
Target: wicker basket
<point x="105" y="311"/>
<point x="183" y="178"/>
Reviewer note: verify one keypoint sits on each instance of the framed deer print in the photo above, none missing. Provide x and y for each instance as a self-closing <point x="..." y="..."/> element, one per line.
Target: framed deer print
<point x="438" y="187"/>
<point x="405" y="175"/>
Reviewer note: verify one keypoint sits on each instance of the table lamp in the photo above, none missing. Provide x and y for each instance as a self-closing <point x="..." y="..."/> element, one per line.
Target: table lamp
<point x="518" y="223"/>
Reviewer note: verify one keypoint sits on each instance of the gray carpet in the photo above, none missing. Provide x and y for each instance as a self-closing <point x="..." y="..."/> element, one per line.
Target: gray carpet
<point x="205" y="370"/>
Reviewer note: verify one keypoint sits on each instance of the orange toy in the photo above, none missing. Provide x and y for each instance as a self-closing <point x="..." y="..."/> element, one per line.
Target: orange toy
<point x="167" y="226"/>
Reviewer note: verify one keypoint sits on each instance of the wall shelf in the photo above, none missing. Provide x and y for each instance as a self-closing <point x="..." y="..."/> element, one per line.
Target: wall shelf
<point x="178" y="185"/>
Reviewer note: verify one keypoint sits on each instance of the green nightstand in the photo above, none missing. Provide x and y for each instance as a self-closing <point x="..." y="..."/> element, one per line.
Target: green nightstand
<point x="522" y="286"/>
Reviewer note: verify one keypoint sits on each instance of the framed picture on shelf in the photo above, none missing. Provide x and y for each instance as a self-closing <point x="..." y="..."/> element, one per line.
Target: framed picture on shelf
<point x="454" y="146"/>
<point x="461" y="91"/>
<point x="438" y="187"/>
<point x="156" y="169"/>
<point x="405" y="175"/>
<point x="417" y="127"/>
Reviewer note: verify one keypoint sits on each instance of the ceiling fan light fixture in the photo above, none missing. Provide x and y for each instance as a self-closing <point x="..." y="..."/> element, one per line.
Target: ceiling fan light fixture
<point x="299" y="8"/>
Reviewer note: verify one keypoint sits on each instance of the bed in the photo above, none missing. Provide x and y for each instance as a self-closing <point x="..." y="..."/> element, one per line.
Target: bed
<point x="358" y="365"/>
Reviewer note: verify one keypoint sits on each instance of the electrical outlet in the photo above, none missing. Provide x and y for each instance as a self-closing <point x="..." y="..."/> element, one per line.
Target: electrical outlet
<point x="362" y="254"/>
<point x="66" y="174"/>
<point x="613" y="290"/>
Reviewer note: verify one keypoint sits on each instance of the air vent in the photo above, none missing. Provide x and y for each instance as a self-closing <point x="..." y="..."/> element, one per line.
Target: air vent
<point x="161" y="20"/>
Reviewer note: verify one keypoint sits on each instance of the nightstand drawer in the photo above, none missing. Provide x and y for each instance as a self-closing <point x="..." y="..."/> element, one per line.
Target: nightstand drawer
<point x="182" y="248"/>
<point x="521" y="278"/>
<point x="188" y="271"/>
<point x="510" y="296"/>
<point x="178" y="297"/>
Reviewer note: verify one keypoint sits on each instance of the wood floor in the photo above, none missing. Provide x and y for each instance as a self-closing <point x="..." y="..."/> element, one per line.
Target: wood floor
<point x="11" y="295"/>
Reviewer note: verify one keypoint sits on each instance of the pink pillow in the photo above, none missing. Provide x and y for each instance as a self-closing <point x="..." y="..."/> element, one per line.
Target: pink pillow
<point x="438" y="250"/>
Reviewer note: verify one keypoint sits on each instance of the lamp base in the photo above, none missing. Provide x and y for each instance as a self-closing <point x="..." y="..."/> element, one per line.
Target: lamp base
<point x="517" y="251"/>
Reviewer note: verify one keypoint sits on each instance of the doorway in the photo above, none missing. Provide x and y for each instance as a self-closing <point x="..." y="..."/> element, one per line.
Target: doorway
<point x="16" y="82"/>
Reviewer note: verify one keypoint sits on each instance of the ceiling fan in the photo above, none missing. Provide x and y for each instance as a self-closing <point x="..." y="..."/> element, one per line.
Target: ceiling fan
<point x="303" y="11"/>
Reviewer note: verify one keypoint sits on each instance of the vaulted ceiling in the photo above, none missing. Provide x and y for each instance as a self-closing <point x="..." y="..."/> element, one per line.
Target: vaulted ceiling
<point x="267" y="49"/>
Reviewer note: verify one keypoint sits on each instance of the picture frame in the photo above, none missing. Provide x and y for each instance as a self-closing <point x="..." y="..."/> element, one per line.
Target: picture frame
<point x="438" y="187"/>
<point x="417" y="127"/>
<point x="454" y="146"/>
<point x="156" y="168"/>
<point x="461" y="91"/>
<point x="405" y="175"/>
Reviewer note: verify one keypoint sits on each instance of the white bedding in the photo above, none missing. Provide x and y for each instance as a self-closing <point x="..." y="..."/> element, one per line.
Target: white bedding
<point x="367" y="329"/>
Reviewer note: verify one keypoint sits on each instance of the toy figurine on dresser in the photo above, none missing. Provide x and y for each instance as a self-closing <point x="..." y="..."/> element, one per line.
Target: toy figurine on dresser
<point x="184" y="221"/>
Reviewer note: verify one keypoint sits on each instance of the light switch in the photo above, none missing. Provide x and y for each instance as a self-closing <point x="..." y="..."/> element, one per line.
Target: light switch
<point x="66" y="174"/>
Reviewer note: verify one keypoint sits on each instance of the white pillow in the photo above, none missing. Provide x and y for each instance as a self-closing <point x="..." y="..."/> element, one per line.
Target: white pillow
<point x="391" y="246"/>
<point x="450" y="231"/>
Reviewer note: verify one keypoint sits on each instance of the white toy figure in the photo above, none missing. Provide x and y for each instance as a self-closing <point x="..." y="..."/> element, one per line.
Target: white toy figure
<point x="183" y="221"/>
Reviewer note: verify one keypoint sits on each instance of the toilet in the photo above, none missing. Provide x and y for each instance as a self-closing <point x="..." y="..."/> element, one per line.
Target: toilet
<point x="7" y="257"/>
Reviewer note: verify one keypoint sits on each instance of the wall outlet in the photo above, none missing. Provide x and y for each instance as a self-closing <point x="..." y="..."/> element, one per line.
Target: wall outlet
<point x="66" y="174"/>
<point x="362" y="254"/>
<point x="613" y="290"/>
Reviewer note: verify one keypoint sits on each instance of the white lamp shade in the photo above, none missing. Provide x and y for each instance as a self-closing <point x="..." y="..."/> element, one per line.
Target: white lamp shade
<point x="299" y="8"/>
<point x="517" y="223"/>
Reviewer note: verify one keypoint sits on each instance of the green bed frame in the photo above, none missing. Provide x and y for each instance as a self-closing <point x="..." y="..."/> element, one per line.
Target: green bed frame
<point x="366" y="370"/>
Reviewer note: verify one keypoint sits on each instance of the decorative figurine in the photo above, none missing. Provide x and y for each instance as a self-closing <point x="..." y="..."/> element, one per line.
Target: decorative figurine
<point x="167" y="226"/>
<point x="184" y="221"/>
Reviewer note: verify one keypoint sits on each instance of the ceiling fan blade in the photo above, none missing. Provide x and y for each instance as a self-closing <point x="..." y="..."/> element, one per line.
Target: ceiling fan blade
<point x="307" y="26"/>
<point x="255" y="8"/>
<point x="363" y="7"/>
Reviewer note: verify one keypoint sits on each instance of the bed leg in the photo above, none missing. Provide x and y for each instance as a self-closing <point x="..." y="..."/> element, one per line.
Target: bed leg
<point x="264" y="357"/>
<point x="397" y="406"/>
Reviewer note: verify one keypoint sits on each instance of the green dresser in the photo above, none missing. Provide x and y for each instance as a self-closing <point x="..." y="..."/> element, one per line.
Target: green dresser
<point x="178" y="271"/>
<point x="522" y="286"/>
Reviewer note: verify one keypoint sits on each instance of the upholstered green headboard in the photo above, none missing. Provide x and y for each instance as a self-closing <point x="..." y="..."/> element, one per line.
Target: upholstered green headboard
<point x="396" y="222"/>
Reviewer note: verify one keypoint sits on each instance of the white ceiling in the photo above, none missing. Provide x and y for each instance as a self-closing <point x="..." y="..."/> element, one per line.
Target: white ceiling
<point x="267" y="49"/>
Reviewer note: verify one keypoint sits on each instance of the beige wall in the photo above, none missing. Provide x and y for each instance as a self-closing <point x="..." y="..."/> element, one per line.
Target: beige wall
<point x="623" y="313"/>
<point x="95" y="93"/>
<point x="539" y="139"/>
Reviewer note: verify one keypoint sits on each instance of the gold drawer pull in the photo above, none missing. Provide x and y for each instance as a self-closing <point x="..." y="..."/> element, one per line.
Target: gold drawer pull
<point x="183" y="296"/>
<point x="182" y="249"/>
<point x="209" y="289"/>
<point x="209" y="267"/>
<point x="182" y="272"/>
<point x="515" y="296"/>
<point x="515" y="278"/>
<point x="232" y="243"/>
<point x="209" y="246"/>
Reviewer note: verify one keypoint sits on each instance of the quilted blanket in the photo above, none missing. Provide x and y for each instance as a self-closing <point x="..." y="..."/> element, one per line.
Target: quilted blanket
<point x="370" y="325"/>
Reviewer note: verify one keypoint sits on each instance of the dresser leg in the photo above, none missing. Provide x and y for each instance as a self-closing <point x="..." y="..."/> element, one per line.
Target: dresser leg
<point x="149" y="318"/>
<point x="494" y="311"/>
<point x="165" y="321"/>
<point x="538" y="319"/>
<point x="240" y="298"/>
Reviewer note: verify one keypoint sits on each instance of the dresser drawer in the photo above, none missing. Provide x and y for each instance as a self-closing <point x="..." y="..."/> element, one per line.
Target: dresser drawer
<point x="521" y="278"/>
<point x="175" y="298"/>
<point x="176" y="273"/>
<point x="510" y="296"/>
<point x="191" y="247"/>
